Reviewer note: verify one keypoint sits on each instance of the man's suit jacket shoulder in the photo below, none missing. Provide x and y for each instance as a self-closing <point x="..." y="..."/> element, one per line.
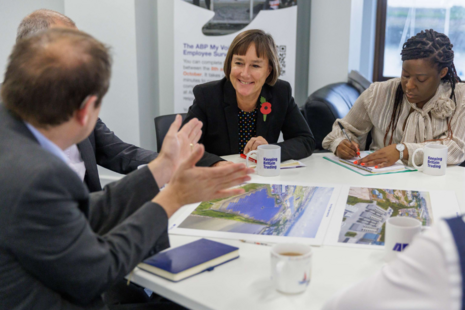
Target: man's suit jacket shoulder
<point x="60" y="248"/>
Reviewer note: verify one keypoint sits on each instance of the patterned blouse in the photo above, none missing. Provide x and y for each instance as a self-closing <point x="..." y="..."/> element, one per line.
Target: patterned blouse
<point x="247" y="127"/>
<point x="373" y="110"/>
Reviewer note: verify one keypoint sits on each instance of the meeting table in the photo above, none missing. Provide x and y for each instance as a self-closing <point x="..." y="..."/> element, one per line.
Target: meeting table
<point x="245" y="283"/>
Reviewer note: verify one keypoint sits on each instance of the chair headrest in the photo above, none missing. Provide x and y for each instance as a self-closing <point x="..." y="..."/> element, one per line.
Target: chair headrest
<point x="357" y="80"/>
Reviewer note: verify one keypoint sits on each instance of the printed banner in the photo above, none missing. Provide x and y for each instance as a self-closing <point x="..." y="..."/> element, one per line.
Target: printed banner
<point x="202" y="39"/>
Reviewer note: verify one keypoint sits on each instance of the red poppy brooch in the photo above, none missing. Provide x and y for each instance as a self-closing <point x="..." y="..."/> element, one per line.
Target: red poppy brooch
<point x="265" y="107"/>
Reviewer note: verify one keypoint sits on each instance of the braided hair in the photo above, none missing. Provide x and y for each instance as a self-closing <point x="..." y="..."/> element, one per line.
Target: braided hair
<point x="438" y="49"/>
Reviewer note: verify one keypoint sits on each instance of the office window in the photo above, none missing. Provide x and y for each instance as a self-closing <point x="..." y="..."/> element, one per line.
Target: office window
<point x="398" y="20"/>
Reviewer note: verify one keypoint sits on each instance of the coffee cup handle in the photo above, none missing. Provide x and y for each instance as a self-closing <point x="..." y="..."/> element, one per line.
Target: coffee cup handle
<point x="419" y="168"/>
<point x="279" y="267"/>
<point x="248" y="155"/>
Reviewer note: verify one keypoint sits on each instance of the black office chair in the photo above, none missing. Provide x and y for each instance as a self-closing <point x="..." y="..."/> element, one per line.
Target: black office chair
<point x="327" y="104"/>
<point x="333" y="101"/>
<point x="162" y="124"/>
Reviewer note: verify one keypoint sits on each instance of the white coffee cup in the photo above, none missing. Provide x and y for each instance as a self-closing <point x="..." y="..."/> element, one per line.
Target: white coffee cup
<point x="434" y="159"/>
<point x="268" y="160"/>
<point x="400" y="231"/>
<point x="291" y="267"/>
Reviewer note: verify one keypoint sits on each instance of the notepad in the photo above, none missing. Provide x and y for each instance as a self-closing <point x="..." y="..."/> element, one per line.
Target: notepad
<point x="291" y="164"/>
<point x="190" y="259"/>
<point x="368" y="171"/>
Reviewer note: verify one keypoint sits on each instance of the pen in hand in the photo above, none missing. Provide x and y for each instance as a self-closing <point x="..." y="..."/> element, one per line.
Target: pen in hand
<point x="347" y="136"/>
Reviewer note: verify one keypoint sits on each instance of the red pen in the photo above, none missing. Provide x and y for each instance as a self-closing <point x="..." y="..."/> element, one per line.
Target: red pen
<point x="250" y="158"/>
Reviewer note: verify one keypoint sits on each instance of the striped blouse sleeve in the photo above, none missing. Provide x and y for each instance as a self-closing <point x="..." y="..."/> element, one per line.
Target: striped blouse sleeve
<point x="357" y="123"/>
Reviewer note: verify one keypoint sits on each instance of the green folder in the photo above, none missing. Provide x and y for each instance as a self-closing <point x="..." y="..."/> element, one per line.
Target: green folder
<point x="368" y="171"/>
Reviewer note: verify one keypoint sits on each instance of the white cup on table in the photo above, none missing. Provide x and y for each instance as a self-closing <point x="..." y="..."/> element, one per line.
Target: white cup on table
<point x="291" y="267"/>
<point x="434" y="159"/>
<point x="268" y="160"/>
<point x="400" y="231"/>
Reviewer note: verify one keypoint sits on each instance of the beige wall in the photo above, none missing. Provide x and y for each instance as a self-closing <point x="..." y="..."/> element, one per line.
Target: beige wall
<point x="329" y="42"/>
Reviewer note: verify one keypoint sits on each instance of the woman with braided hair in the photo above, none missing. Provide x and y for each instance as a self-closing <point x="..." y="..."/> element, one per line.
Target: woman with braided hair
<point x="425" y="105"/>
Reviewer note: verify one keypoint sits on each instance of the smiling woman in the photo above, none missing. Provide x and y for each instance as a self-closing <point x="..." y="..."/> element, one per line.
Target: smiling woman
<point x="425" y="105"/>
<point x="250" y="106"/>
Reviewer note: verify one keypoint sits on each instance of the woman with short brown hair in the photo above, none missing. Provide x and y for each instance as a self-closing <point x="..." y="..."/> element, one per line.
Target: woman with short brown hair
<point x="250" y="106"/>
<point x="264" y="45"/>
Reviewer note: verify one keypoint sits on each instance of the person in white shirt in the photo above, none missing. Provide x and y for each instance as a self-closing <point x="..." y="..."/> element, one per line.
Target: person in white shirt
<point x="428" y="275"/>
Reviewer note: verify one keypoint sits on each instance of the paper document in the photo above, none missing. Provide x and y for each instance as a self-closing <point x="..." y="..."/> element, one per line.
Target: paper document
<point x="366" y="171"/>
<point x="361" y="212"/>
<point x="289" y="164"/>
<point x="263" y="213"/>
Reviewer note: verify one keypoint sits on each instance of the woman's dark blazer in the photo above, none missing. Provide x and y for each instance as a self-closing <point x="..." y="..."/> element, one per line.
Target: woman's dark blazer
<point x="215" y="106"/>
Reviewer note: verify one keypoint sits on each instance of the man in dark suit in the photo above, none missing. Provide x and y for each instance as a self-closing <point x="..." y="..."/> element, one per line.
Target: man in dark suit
<point x="102" y="147"/>
<point x="61" y="248"/>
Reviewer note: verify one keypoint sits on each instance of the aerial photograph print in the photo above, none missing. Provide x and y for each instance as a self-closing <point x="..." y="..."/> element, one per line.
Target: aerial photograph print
<point x="367" y="210"/>
<point x="265" y="209"/>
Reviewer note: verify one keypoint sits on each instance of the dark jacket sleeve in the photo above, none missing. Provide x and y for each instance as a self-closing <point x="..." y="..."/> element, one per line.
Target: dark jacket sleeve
<point x="197" y="110"/>
<point x="112" y="205"/>
<point x="114" y="154"/>
<point x="298" y="138"/>
<point x="56" y="244"/>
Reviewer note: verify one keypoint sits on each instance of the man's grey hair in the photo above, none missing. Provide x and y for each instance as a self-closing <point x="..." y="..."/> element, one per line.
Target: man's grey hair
<point x="41" y="20"/>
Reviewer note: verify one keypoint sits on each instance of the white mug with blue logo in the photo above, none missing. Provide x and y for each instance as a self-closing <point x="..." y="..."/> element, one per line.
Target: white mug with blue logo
<point x="291" y="267"/>
<point x="268" y="160"/>
<point x="434" y="159"/>
<point x="400" y="231"/>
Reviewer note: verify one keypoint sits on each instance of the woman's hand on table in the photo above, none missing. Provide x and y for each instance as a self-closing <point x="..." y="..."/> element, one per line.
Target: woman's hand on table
<point x="347" y="149"/>
<point x="384" y="157"/>
<point x="254" y="143"/>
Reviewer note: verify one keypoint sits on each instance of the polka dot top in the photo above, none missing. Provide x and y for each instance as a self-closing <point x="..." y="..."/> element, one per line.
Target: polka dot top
<point x="247" y="127"/>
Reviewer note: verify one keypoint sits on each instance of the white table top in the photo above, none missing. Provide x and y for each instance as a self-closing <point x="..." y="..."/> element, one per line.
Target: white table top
<point x="245" y="282"/>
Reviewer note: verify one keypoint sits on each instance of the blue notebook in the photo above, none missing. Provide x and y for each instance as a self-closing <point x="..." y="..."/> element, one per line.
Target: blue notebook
<point x="189" y="259"/>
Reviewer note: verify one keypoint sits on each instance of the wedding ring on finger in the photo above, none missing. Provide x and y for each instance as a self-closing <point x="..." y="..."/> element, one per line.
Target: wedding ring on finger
<point x="192" y="147"/>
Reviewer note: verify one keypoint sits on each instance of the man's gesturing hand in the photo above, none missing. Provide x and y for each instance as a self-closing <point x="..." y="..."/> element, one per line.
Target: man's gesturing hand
<point x="191" y="184"/>
<point x="177" y="146"/>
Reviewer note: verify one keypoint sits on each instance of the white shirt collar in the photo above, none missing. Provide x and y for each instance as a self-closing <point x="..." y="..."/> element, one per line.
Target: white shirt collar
<point x="75" y="161"/>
